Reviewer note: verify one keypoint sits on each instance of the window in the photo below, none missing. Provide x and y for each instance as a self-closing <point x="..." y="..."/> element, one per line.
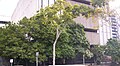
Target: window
<point x="45" y="3"/>
<point x="51" y="2"/>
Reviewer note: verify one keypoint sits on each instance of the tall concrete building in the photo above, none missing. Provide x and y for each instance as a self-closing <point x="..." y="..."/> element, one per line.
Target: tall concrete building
<point x="28" y="8"/>
<point x="109" y="28"/>
<point x="104" y="31"/>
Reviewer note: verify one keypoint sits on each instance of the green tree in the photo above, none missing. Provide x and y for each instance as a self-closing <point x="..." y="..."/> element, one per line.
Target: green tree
<point x="50" y="26"/>
<point x="113" y="49"/>
<point x="98" y="52"/>
<point x="98" y="3"/>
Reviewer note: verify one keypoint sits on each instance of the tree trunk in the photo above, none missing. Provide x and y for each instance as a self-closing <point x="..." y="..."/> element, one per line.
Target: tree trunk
<point x="57" y="36"/>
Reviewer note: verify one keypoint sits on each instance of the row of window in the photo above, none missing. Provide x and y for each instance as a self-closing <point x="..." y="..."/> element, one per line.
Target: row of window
<point x="44" y="3"/>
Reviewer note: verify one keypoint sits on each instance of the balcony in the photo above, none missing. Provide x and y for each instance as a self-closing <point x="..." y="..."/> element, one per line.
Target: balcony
<point x="83" y="1"/>
<point x="114" y="31"/>
<point x="3" y="22"/>
<point x="114" y="24"/>
<point x="114" y="37"/>
<point x="114" y="27"/>
<point x="90" y="30"/>
<point x="114" y="34"/>
<point x="113" y="21"/>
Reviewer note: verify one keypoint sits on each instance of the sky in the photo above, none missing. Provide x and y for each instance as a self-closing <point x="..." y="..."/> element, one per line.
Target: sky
<point x="7" y="8"/>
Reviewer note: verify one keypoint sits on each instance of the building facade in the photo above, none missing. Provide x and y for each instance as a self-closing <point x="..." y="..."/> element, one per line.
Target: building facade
<point x="4" y="20"/>
<point x="104" y="31"/>
<point x="29" y="8"/>
<point x="3" y="23"/>
<point x="91" y="24"/>
<point x="109" y="29"/>
<point x="114" y="27"/>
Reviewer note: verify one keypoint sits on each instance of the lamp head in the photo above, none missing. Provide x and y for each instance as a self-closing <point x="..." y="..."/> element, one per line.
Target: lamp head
<point x="11" y="60"/>
<point x="37" y="54"/>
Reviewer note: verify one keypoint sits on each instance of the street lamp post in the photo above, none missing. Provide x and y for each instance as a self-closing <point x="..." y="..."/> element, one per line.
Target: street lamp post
<point x="11" y="61"/>
<point x="37" y="54"/>
<point x="83" y="59"/>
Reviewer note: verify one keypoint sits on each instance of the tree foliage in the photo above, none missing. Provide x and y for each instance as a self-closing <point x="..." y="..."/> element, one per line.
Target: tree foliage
<point x="98" y="52"/>
<point x="113" y="49"/>
<point x="42" y="29"/>
<point x="98" y="3"/>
